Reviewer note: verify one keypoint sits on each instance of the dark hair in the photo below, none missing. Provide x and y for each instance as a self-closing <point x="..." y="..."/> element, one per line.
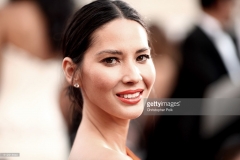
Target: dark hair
<point x="207" y="3"/>
<point x="79" y="33"/>
<point x="56" y="13"/>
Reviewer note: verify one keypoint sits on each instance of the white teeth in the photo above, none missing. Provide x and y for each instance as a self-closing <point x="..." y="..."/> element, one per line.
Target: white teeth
<point x="129" y="96"/>
<point x="137" y="94"/>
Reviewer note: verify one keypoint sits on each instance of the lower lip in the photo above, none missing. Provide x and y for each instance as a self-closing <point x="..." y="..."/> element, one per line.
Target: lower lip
<point x="130" y="100"/>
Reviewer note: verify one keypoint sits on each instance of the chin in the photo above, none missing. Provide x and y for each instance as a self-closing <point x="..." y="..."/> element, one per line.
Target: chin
<point x="136" y="116"/>
<point x="134" y="113"/>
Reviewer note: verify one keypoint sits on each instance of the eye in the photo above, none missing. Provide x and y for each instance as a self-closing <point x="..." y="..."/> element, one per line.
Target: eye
<point x="143" y="58"/>
<point x="111" y="60"/>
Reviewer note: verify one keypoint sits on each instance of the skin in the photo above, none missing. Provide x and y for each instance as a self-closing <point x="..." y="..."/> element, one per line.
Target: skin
<point x="103" y="74"/>
<point x="222" y="11"/>
<point x="23" y="25"/>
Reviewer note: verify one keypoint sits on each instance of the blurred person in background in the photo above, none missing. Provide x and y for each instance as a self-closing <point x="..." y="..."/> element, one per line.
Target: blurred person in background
<point x="31" y="121"/>
<point x="209" y="52"/>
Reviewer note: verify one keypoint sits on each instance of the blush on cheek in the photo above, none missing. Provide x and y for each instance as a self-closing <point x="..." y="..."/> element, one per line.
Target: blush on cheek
<point x="100" y="80"/>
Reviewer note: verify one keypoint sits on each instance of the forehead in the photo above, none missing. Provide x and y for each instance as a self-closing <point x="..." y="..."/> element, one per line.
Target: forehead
<point x="120" y="31"/>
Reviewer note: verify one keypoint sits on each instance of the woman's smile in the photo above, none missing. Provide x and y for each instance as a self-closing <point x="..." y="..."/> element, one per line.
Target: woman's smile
<point x="130" y="96"/>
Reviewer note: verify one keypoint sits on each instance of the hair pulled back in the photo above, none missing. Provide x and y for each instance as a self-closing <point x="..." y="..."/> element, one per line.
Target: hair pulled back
<point x="79" y="34"/>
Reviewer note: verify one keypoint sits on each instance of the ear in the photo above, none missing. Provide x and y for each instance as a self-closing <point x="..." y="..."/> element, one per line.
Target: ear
<point x="69" y="68"/>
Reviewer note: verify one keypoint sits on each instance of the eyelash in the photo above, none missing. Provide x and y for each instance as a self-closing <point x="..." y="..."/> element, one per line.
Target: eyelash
<point x="145" y="56"/>
<point x="117" y="60"/>
<point x="110" y="58"/>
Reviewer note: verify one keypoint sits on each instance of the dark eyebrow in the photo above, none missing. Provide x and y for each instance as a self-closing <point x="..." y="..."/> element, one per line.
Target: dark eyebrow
<point x="120" y="53"/>
<point x="143" y="50"/>
<point x="110" y="52"/>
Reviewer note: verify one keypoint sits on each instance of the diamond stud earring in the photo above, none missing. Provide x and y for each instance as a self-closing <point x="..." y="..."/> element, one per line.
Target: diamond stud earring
<point x="76" y="85"/>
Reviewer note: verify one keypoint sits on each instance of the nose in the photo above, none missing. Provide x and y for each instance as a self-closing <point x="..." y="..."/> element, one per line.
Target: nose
<point x="131" y="74"/>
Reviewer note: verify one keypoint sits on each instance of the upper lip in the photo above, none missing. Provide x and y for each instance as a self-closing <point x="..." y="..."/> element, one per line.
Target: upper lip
<point x="130" y="91"/>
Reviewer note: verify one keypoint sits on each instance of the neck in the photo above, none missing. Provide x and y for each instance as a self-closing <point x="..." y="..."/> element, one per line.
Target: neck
<point x="111" y="132"/>
<point x="218" y="17"/>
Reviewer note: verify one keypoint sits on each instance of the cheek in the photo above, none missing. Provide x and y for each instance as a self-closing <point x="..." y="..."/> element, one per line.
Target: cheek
<point x="98" y="80"/>
<point x="149" y="74"/>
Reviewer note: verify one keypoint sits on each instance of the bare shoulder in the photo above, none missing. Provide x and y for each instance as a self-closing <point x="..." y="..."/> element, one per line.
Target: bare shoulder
<point x="95" y="152"/>
<point x="21" y="14"/>
<point x="26" y="27"/>
<point x="3" y="21"/>
<point x="21" y="9"/>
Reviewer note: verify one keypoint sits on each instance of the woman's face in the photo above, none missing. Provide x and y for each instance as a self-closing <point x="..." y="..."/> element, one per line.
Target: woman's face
<point x="117" y="71"/>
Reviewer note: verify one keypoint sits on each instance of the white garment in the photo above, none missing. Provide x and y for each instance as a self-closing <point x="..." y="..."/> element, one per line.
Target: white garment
<point x="31" y="123"/>
<point x="224" y="44"/>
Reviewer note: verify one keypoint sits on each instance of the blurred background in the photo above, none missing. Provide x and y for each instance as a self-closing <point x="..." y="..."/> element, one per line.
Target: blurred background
<point x="197" y="56"/>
